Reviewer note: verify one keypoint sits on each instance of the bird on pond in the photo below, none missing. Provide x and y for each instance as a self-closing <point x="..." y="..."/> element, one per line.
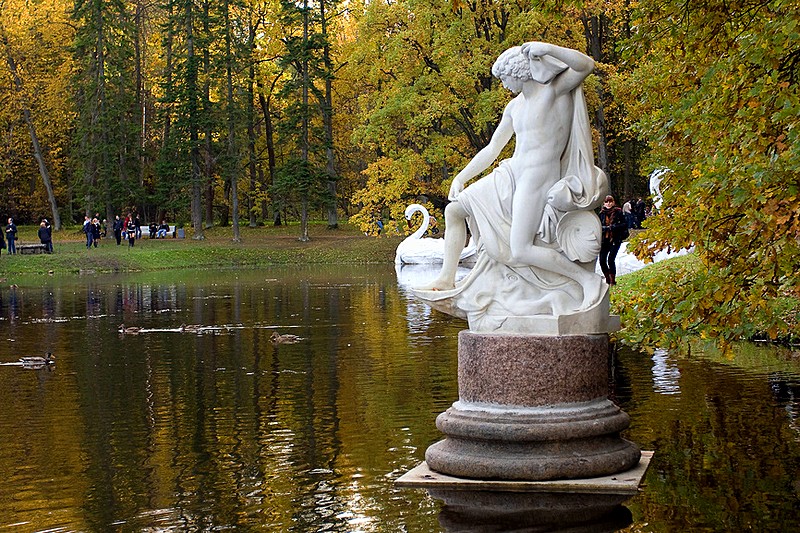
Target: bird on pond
<point x="130" y="330"/>
<point x="286" y="338"/>
<point x="38" y="362"/>
<point x="193" y="328"/>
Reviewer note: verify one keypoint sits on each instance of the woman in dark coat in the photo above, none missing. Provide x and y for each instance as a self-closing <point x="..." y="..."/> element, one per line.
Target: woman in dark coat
<point x="11" y="236"/>
<point x="45" y="236"/>
<point x="95" y="231"/>
<point x="615" y="229"/>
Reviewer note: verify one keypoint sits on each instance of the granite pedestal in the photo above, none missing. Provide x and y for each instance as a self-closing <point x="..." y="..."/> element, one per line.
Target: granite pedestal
<point x="532" y="407"/>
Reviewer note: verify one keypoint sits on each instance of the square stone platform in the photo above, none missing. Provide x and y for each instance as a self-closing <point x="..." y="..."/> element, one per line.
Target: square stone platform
<point x="623" y="483"/>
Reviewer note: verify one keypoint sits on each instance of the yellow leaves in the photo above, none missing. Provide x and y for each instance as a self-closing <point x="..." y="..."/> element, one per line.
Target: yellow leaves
<point x="780" y="145"/>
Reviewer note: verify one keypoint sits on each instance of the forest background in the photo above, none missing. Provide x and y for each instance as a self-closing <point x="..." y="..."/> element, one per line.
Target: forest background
<point x="252" y="112"/>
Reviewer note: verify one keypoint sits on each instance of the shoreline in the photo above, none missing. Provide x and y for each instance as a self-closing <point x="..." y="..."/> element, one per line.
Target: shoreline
<point x="260" y="246"/>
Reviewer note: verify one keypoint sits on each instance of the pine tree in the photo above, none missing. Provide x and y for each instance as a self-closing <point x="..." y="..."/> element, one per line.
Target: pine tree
<point x="108" y="130"/>
<point x="302" y="180"/>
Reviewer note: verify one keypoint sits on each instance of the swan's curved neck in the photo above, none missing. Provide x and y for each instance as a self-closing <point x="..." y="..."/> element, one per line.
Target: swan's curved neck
<point x="426" y="219"/>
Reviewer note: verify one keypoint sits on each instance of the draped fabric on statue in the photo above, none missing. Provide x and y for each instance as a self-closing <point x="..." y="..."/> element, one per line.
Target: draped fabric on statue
<point x="504" y="290"/>
<point x="582" y="185"/>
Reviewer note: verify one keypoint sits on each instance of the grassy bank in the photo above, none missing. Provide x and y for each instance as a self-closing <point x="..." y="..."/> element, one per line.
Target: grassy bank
<point x="631" y="287"/>
<point x="261" y="246"/>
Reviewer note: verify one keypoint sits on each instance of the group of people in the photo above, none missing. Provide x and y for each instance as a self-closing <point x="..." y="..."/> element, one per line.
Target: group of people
<point x="128" y="228"/>
<point x="8" y="239"/>
<point x="634" y="211"/>
<point x="159" y="231"/>
<point x="93" y="230"/>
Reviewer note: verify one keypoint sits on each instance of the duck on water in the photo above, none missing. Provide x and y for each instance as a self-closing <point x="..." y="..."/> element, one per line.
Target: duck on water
<point x="286" y="338"/>
<point x="34" y="362"/>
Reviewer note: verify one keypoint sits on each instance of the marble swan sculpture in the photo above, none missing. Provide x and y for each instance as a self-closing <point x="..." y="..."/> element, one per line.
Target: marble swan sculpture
<point x="417" y="250"/>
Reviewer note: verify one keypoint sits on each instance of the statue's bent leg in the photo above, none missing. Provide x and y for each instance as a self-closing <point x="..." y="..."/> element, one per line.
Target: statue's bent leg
<point x="455" y="236"/>
<point x="524" y="252"/>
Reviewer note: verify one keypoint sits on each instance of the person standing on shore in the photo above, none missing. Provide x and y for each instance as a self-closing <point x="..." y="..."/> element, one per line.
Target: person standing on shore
<point x="130" y="230"/>
<point x="627" y="212"/>
<point x="95" y="228"/>
<point x="11" y="236"/>
<point x="615" y="230"/>
<point x="87" y="230"/>
<point x="44" y="237"/>
<point x="48" y="235"/>
<point x="118" y="229"/>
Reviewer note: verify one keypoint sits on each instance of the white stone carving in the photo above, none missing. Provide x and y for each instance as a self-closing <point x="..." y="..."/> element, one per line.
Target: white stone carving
<point x="418" y="250"/>
<point x="532" y="217"/>
<point x="655" y="185"/>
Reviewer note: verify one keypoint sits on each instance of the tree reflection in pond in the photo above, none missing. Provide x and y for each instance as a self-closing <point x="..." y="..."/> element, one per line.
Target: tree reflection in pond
<point x="187" y="429"/>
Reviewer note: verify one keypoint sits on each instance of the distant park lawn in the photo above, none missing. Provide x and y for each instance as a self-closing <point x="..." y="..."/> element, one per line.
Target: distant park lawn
<point x="266" y="245"/>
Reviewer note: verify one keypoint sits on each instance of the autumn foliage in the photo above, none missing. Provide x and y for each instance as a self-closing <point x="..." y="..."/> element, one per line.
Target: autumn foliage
<point x="273" y="109"/>
<point x="714" y="91"/>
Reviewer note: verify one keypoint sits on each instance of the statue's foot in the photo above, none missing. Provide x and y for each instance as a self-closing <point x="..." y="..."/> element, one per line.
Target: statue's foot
<point x="592" y="291"/>
<point x="438" y="284"/>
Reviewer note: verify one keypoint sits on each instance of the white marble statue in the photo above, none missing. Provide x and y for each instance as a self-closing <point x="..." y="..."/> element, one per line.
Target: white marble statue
<point x="418" y="250"/>
<point x="532" y="217"/>
<point x="655" y="185"/>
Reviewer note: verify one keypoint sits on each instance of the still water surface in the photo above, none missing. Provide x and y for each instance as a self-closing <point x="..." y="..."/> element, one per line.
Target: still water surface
<point x="215" y="428"/>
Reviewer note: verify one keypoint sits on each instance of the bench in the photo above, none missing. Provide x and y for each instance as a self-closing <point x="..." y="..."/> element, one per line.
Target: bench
<point x="27" y="249"/>
<point x="153" y="231"/>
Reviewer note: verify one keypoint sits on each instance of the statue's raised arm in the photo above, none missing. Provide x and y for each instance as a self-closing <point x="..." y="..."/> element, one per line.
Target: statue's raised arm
<point x="567" y="67"/>
<point x="531" y="217"/>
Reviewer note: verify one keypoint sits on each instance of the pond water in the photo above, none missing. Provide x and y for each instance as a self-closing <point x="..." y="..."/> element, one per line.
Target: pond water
<point x="212" y="427"/>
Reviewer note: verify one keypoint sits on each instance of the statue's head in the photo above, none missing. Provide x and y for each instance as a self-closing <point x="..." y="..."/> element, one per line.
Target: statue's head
<point x="514" y="68"/>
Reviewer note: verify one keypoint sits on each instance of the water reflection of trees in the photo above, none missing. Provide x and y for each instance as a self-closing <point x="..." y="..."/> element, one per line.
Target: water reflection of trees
<point x="194" y="431"/>
<point x="227" y="429"/>
<point x="726" y="458"/>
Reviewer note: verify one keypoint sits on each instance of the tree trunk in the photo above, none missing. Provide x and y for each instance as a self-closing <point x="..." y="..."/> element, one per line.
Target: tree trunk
<point x="628" y="168"/>
<point x="304" y="138"/>
<point x="168" y="79"/>
<point x="327" y="119"/>
<point x="140" y="48"/>
<point x="269" y="135"/>
<point x="208" y="168"/>
<point x="592" y="26"/>
<point x="251" y="130"/>
<point x="37" y="149"/>
<point x="232" y="166"/>
<point x="194" y="150"/>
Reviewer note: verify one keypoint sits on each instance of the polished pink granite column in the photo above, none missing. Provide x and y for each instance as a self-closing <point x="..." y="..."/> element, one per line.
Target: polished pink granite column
<point x="532" y="407"/>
